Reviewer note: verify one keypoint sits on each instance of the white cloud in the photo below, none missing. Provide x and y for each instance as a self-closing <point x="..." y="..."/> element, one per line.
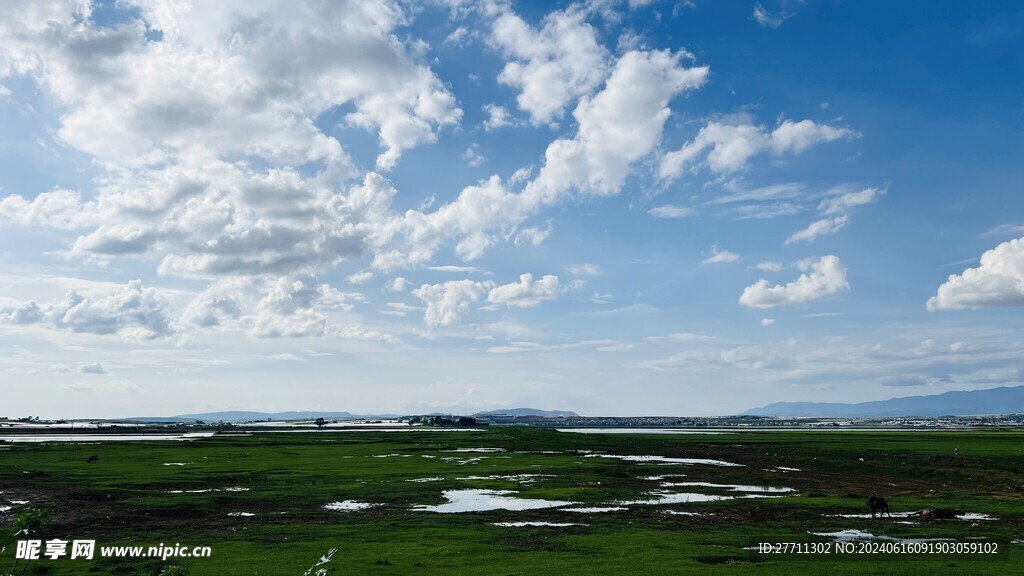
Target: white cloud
<point x="821" y="278"/>
<point x="768" y="266"/>
<point x="671" y="211"/>
<point x="532" y="235"/>
<point x="94" y="368"/>
<point x="133" y="311"/>
<point x="620" y="125"/>
<point x="766" y="322"/>
<point x="844" y="202"/>
<point x="399" y="309"/>
<point x="216" y="306"/>
<point x="837" y="205"/>
<point x="617" y="127"/>
<point x="398" y="284"/>
<point x="293" y="307"/>
<point x="726" y="146"/>
<point x="56" y="209"/>
<point x="719" y="256"/>
<point x="769" y="20"/>
<point x="584" y="269"/>
<point x="359" y="277"/>
<point x="553" y="66"/>
<point x="997" y="281"/>
<point x="455" y="269"/>
<point x="497" y="117"/>
<point x="449" y="302"/>
<point x="206" y="139"/>
<point x="819" y="228"/>
<point x="473" y="157"/>
<point x="526" y="293"/>
<point x="458" y="36"/>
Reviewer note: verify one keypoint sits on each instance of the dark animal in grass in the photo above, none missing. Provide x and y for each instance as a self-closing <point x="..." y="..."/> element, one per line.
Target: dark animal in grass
<point x="93" y="459"/>
<point x="879" y="505"/>
<point x="941" y="513"/>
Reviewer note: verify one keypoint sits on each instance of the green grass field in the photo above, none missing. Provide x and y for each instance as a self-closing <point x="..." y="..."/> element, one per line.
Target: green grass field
<point x="130" y="497"/>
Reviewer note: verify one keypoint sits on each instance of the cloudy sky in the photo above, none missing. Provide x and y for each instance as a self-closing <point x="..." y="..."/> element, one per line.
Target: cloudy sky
<point x="641" y="207"/>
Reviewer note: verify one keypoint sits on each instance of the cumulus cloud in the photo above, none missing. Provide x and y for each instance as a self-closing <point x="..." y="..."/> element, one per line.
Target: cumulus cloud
<point x="532" y="235"/>
<point x="359" y="277"/>
<point x="617" y="127"/>
<point x="671" y="211"/>
<point x="61" y="209"/>
<point x="204" y="117"/>
<point x="769" y="266"/>
<point x="448" y="303"/>
<point x="398" y="284"/>
<point x="766" y="322"/>
<point x="294" y="307"/>
<point x="212" y="308"/>
<point x="550" y="67"/>
<point x="94" y="368"/>
<point x="997" y="281"/>
<point x="526" y="293"/>
<point x="719" y="256"/>
<point x="821" y="278"/>
<point x="133" y="311"/>
<point x="725" y="146"/>
<point x="497" y="117"/>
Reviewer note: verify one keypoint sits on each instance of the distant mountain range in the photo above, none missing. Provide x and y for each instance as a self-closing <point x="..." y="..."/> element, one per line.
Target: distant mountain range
<point x="1004" y="400"/>
<point x="243" y="416"/>
<point x="527" y="412"/>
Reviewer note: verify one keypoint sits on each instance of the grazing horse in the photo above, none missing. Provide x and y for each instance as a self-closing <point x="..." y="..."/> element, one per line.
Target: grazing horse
<point x="879" y="505"/>
<point x="94" y="458"/>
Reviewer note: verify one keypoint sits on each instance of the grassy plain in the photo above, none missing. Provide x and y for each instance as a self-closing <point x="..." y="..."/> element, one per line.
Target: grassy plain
<point x="131" y="496"/>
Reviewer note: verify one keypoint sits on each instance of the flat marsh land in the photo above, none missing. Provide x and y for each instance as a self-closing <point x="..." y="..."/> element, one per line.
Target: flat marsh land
<point x="273" y="503"/>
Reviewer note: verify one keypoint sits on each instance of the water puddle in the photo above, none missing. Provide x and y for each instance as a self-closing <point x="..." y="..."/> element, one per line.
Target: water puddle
<point x="850" y="535"/>
<point x="521" y="524"/>
<point x="968" y="516"/>
<point x="243" y="514"/>
<point x="349" y="506"/>
<point x="975" y="516"/>
<point x="665" y="460"/>
<point x="477" y="450"/>
<point x="678" y="498"/>
<point x="205" y="490"/>
<point x="732" y="487"/>
<point x="684" y="513"/>
<point x="664" y="497"/>
<point x="637" y="431"/>
<point x="176" y="463"/>
<point x="893" y="514"/>
<point x="103" y="437"/>
<point x="435" y="479"/>
<point x="596" y="509"/>
<point x="463" y="461"/>
<point x="486" y="500"/>
<point x="520" y="478"/>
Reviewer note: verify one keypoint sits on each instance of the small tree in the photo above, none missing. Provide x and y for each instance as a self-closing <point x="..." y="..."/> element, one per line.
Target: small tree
<point x="320" y="422"/>
<point x="28" y="523"/>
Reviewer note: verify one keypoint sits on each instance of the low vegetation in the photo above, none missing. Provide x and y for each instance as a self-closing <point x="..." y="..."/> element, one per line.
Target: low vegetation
<point x="261" y="501"/>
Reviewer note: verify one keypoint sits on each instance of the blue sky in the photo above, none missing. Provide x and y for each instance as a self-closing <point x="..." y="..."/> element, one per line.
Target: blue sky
<point x="610" y="207"/>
